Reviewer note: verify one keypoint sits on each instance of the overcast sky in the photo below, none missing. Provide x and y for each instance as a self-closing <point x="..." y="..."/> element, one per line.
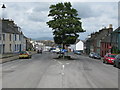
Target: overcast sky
<point x="32" y="17"/>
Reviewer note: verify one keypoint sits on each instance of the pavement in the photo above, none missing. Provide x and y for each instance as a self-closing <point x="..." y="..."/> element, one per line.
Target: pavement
<point x="43" y="71"/>
<point x="10" y="57"/>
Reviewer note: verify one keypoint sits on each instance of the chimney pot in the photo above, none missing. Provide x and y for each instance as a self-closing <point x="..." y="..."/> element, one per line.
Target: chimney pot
<point x="110" y="26"/>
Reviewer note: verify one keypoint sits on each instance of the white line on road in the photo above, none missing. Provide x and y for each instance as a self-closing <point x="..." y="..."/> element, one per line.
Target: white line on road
<point x="62" y="73"/>
<point x="63" y="66"/>
<point x="59" y="62"/>
<point x="67" y="63"/>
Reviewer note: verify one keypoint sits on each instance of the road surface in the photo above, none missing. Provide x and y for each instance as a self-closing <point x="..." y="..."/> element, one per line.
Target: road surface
<point x="43" y="71"/>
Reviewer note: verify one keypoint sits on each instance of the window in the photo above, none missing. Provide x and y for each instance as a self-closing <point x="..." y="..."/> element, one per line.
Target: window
<point x="15" y="47"/>
<point x="0" y="37"/>
<point x="0" y="49"/>
<point x="98" y="43"/>
<point x="10" y="37"/>
<point x="3" y="48"/>
<point x="113" y="56"/>
<point x="15" y="37"/>
<point x="20" y="37"/>
<point x="4" y="37"/>
<point x="10" y="47"/>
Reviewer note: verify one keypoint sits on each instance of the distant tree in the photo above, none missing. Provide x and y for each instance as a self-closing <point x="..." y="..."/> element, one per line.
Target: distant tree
<point x="65" y="23"/>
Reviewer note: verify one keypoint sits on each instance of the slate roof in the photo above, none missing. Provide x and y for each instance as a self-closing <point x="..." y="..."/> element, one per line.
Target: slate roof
<point x="117" y="30"/>
<point x="106" y="39"/>
<point x="9" y="27"/>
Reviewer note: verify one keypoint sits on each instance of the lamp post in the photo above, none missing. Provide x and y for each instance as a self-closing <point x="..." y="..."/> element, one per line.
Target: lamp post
<point x="2" y="50"/>
<point x="3" y="6"/>
<point x="3" y="10"/>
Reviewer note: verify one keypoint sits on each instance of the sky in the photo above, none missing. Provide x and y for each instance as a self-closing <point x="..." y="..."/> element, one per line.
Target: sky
<point x="32" y="16"/>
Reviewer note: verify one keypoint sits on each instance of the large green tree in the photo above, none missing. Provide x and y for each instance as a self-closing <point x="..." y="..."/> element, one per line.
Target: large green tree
<point x="65" y="23"/>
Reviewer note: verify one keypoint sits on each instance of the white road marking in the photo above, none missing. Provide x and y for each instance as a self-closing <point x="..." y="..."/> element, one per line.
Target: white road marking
<point x="62" y="73"/>
<point x="59" y="62"/>
<point x="63" y="66"/>
<point x="67" y="63"/>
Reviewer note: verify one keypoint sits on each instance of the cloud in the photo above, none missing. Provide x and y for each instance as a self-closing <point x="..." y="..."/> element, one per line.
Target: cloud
<point x="84" y="9"/>
<point x="32" y="16"/>
<point x="96" y="9"/>
<point x="38" y="16"/>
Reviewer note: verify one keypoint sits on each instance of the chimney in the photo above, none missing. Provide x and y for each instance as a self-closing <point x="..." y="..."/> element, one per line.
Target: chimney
<point x="110" y="29"/>
<point x="110" y="25"/>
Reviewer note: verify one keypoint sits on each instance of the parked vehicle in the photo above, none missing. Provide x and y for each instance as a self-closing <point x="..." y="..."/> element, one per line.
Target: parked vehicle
<point x="39" y="51"/>
<point x="62" y="51"/>
<point x="55" y="50"/>
<point x="50" y="50"/>
<point x="77" y="52"/>
<point x="25" y="54"/>
<point x="117" y="61"/>
<point x="96" y="56"/>
<point x="109" y="58"/>
<point x="91" y="54"/>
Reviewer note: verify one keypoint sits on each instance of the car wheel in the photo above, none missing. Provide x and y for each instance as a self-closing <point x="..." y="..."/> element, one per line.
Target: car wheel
<point x="106" y="62"/>
<point x="114" y="64"/>
<point x="119" y="66"/>
<point x="103" y="61"/>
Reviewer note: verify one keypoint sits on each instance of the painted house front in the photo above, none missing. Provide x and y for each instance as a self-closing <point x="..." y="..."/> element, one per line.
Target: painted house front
<point x="115" y="41"/>
<point x="79" y="46"/>
<point x="12" y="37"/>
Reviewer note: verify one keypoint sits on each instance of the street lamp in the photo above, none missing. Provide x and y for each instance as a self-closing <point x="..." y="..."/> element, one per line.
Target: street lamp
<point x="3" y="6"/>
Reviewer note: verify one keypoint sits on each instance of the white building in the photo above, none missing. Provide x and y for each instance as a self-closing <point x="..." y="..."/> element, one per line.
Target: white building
<point x="79" y="46"/>
<point x="11" y="37"/>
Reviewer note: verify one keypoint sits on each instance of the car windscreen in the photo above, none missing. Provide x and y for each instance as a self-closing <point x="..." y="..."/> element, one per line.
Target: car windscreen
<point x="112" y="56"/>
<point x="23" y="52"/>
<point x="96" y="54"/>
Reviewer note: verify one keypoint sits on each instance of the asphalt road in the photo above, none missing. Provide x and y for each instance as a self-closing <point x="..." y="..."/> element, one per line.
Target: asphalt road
<point x="43" y="71"/>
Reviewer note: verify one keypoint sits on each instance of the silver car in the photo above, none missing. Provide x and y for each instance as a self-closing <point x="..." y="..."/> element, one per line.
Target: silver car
<point x="91" y="54"/>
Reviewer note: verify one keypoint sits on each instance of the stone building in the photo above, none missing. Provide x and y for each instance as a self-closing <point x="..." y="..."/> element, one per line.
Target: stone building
<point x="115" y="41"/>
<point x="105" y="45"/>
<point x="93" y="44"/>
<point x="11" y="37"/>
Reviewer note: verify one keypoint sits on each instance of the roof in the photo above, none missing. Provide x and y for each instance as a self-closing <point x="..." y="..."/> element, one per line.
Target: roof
<point x="106" y="39"/>
<point x="117" y="30"/>
<point x="9" y="27"/>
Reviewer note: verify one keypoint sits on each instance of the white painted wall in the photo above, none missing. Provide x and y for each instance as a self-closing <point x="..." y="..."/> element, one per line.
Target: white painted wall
<point x="80" y="45"/>
<point x="72" y="47"/>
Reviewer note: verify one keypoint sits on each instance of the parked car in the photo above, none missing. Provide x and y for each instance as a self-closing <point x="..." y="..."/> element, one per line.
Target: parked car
<point x="91" y="54"/>
<point x="96" y="56"/>
<point x="39" y="51"/>
<point x="50" y="50"/>
<point x="117" y="61"/>
<point x="25" y="54"/>
<point x="109" y="58"/>
<point x="77" y="52"/>
<point x="55" y="50"/>
<point x="62" y="51"/>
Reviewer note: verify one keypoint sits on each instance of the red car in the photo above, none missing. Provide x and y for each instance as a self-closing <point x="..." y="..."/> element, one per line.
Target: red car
<point x="109" y="58"/>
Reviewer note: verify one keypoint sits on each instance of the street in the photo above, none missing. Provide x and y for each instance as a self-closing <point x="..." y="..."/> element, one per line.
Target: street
<point x="43" y="71"/>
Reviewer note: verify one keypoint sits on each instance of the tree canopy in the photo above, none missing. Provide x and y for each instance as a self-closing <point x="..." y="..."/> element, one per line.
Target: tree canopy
<point x="65" y="23"/>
